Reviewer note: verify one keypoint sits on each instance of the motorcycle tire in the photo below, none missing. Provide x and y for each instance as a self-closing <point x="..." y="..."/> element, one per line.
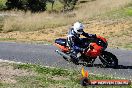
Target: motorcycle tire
<point x="108" y="59"/>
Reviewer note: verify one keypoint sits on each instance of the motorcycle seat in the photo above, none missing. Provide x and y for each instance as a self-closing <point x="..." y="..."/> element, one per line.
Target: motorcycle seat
<point x="61" y="41"/>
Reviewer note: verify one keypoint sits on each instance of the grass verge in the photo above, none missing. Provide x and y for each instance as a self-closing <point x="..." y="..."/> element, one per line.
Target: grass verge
<point x="36" y="76"/>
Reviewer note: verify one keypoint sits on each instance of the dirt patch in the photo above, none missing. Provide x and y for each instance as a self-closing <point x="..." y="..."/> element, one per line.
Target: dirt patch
<point x="113" y="30"/>
<point x="8" y="73"/>
<point x="117" y="32"/>
<point x="42" y="35"/>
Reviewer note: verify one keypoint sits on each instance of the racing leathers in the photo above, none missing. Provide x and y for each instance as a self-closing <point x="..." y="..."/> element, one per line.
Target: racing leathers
<point x="75" y="43"/>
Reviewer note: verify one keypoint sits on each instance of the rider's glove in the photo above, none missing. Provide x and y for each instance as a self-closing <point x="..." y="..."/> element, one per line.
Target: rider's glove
<point x="94" y="36"/>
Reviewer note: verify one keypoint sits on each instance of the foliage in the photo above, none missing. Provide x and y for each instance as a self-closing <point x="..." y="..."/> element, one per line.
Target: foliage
<point x="68" y="4"/>
<point x="2" y="4"/>
<point x="33" y="5"/>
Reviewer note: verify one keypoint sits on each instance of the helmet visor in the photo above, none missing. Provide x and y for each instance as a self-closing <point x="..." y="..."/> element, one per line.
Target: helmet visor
<point x="80" y="30"/>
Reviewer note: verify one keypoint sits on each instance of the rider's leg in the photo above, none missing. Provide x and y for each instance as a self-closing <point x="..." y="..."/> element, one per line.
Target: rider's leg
<point x="75" y="55"/>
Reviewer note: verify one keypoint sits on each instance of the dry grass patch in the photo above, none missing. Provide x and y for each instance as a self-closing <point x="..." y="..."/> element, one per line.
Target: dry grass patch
<point x="35" y="22"/>
<point x="114" y="30"/>
<point x="118" y="32"/>
<point x="8" y="73"/>
<point x="38" y="21"/>
<point x="97" y="7"/>
<point x="43" y="35"/>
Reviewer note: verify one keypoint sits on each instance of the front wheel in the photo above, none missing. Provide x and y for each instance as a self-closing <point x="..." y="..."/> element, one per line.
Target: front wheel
<point x="108" y="59"/>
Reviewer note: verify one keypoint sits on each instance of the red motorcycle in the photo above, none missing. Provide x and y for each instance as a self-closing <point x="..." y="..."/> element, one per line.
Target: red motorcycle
<point x="94" y="48"/>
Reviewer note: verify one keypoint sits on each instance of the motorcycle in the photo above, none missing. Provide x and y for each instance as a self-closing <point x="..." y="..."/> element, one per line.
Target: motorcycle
<point x="94" y="48"/>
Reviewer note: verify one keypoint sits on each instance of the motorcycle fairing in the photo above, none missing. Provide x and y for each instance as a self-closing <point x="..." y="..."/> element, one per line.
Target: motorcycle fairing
<point x="95" y="51"/>
<point x="63" y="48"/>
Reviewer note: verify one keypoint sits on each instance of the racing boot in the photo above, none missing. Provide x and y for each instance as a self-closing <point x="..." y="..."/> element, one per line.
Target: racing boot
<point x="75" y="61"/>
<point x="75" y="58"/>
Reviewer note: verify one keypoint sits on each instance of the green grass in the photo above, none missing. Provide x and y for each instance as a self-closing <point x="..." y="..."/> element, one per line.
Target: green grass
<point x="128" y="11"/>
<point x="7" y="39"/>
<point x="2" y="4"/>
<point x="44" y="70"/>
<point x="56" y="8"/>
<point x="129" y="46"/>
<point x="51" y="78"/>
<point x="124" y="12"/>
<point x="45" y="78"/>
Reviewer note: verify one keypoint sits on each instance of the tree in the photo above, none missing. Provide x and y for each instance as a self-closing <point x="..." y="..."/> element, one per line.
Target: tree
<point x="36" y="5"/>
<point x="52" y="2"/>
<point x="33" y="5"/>
<point x="12" y="4"/>
<point x="68" y="4"/>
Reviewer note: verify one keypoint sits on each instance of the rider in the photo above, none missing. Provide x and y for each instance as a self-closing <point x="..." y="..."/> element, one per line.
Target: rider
<point x="74" y="41"/>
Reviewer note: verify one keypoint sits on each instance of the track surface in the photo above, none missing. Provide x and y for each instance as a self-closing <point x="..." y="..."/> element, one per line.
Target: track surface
<point x="45" y="55"/>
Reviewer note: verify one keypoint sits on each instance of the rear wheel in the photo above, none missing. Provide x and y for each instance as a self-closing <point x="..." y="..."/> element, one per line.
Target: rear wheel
<point x="108" y="59"/>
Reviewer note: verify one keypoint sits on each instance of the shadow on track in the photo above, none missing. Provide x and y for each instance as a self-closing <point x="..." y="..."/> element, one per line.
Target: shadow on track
<point x="123" y="67"/>
<point x="118" y="67"/>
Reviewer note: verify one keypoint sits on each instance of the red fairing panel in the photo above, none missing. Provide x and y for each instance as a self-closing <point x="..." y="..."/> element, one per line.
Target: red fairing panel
<point x="63" y="48"/>
<point x="102" y="38"/>
<point x="94" y="52"/>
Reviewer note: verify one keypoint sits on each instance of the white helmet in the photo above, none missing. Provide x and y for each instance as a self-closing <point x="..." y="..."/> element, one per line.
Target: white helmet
<point x="78" y="27"/>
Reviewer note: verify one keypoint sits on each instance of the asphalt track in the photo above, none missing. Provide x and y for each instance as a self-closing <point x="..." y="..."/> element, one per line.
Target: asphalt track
<point x="45" y="55"/>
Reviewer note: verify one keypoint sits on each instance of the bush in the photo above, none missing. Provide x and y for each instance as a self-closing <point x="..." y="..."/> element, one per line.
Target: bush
<point x="11" y="4"/>
<point x="68" y="4"/>
<point x="33" y="5"/>
<point x="36" y="5"/>
<point x="2" y="4"/>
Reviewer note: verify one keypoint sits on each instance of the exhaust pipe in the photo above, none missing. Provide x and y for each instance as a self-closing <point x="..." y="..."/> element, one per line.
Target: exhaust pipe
<point x="63" y="54"/>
